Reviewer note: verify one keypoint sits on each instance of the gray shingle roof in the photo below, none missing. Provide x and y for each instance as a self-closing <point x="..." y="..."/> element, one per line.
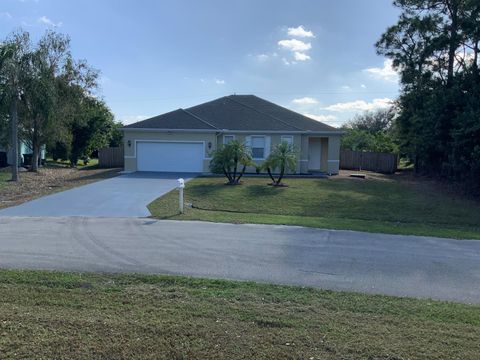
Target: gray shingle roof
<point x="234" y="112"/>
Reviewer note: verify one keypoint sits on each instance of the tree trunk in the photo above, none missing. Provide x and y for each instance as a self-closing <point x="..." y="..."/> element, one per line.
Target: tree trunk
<point x="282" y="172"/>
<point x="453" y="44"/>
<point x="235" y="172"/>
<point x="270" y="174"/>
<point x="227" y="175"/>
<point x="36" y="151"/>
<point x="14" y="130"/>
<point x="241" y="174"/>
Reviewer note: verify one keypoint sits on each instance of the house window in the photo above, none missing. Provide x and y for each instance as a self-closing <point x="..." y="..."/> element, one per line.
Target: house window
<point x="287" y="138"/>
<point x="227" y="139"/>
<point x="258" y="147"/>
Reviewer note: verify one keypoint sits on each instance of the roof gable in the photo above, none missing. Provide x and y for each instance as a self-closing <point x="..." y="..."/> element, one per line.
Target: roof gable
<point x="174" y="120"/>
<point x="234" y="113"/>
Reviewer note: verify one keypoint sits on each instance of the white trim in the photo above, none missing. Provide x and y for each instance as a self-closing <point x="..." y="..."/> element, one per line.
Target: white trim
<point x="303" y="160"/>
<point x="233" y="135"/>
<point x="163" y="141"/>
<point x="335" y="161"/>
<point x="264" y="146"/>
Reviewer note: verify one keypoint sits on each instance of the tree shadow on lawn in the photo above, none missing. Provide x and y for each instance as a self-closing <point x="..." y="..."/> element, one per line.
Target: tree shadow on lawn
<point x="263" y="190"/>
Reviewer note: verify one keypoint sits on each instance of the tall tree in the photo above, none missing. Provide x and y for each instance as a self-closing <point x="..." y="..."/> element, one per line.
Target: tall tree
<point x="13" y="58"/>
<point x="54" y="84"/>
<point x="434" y="46"/>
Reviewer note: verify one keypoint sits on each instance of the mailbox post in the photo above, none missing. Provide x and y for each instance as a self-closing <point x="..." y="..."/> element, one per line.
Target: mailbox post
<point x="181" y="186"/>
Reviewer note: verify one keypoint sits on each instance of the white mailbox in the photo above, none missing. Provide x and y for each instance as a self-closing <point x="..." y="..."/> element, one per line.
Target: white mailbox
<point x="181" y="186"/>
<point x="181" y="183"/>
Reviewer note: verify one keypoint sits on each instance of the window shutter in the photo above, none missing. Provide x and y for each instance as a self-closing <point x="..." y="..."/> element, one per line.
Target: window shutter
<point x="248" y="141"/>
<point x="268" y="141"/>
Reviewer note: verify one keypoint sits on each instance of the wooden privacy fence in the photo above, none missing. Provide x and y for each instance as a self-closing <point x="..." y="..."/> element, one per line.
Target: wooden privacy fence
<point x="371" y="161"/>
<point x="110" y="157"/>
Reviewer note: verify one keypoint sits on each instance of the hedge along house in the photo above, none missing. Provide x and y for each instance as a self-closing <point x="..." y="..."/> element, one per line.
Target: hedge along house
<point x="183" y="140"/>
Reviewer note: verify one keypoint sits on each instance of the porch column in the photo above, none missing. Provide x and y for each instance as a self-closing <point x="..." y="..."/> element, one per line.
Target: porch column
<point x="333" y="160"/>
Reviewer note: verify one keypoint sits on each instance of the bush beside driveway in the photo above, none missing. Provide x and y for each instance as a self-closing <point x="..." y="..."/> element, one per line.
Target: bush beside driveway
<point x="387" y="204"/>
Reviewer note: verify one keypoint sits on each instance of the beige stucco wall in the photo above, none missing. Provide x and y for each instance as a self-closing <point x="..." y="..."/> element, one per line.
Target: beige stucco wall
<point x="330" y="153"/>
<point x="275" y="139"/>
<point x="330" y="150"/>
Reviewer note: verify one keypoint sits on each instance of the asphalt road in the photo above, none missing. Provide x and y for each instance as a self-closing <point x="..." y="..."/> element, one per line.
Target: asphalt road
<point x="341" y="260"/>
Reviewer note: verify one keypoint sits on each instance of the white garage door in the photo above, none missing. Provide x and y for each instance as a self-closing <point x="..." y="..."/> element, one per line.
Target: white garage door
<point x="170" y="156"/>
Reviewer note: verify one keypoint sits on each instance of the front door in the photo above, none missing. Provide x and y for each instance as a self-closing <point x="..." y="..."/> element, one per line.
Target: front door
<point x="314" y="153"/>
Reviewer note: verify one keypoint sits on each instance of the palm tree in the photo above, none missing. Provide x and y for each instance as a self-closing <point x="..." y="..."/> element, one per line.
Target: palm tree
<point x="228" y="158"/>
<point x="282" y="157"/>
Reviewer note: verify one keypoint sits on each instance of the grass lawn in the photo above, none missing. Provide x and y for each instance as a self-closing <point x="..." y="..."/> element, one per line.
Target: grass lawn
<point x="385" y="204"/>
<point x="46" y="315"/>
<point x="4" y="177"/>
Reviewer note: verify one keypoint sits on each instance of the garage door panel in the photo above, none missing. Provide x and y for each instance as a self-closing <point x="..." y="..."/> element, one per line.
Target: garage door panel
<point x="170" y="156"/>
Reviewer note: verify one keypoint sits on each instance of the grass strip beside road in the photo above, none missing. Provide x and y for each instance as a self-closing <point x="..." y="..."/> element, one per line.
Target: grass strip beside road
<point x="84" y="316"/>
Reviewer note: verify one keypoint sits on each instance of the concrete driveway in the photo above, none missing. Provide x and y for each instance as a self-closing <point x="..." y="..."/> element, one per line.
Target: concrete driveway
<point x="122" y="196"/>
<point x="341" y="260"/>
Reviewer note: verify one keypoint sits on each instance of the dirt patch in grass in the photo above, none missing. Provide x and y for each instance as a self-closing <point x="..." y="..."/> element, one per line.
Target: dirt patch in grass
<point x="46" y="181"/>
<point x="45" y="315"/>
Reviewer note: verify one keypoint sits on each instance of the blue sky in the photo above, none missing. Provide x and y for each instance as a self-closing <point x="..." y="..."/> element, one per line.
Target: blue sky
<point x="315" y="57"/>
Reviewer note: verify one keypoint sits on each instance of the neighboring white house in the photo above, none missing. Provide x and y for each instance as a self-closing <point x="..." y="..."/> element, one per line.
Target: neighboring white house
<point x="23" y="149"/>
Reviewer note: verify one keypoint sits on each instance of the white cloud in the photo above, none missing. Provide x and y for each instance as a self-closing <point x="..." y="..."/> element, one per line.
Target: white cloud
<point x="386" y="72"/>
<point x="219" y="82"/>
<point x="130" y="119"/>
<point x="305" y="101"/>
<point x="363" y="86"/>
<point x="46" y="21"/>
<point x="360" y="105"/>
<point x="346" y="87"/>
<point x="300" y="32"/>
<point x="6" y="15"/>
<point x="330" y="119"/>
<point x="285" y="61"/>
<point x="299" y="56"/>
<point x="262" y="57"/>
<point x="295" y="45"/>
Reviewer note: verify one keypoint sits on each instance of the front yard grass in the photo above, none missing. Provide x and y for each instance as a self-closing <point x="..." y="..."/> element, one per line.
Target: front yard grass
<point x="4" y="177"/>
<point x="53" y="315"/>
<point x="386" y="204"/>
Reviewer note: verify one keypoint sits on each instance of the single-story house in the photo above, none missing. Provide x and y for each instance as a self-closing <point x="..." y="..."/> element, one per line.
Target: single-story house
<point x="183" y="140"/>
